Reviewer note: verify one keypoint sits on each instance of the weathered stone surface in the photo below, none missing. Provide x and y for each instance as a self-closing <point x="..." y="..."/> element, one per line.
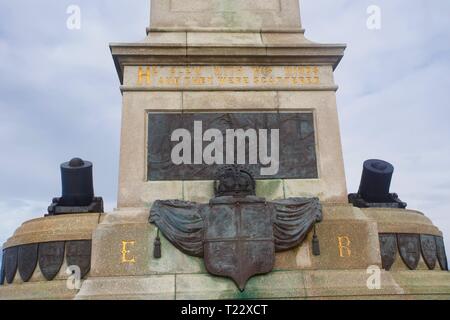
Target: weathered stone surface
<point x="129" y="288"/>
<point x="133" y="190"/>
<point x="161" y="190"/>
<point x="123" y="246"/>
<point x="271" y="39"/>
<point x="276" y="285"/>
<point x="211" y="39"/>
<point x="348" y="240"/>
<point x="229" y="15"/>
<point x="299" y="258"/>
<point x="55" y="228"/>
<point x="230" y="101"/>
<point x="47" y="290"/>
<point x="401" y="221"/>
<point x="331" y="185"/>
<point x="424" y="284"/>
<point x="166" y="38"/>
<point x="270" y="189"/>
<point x="198" y="191"/>
<point x="338" y="284"/>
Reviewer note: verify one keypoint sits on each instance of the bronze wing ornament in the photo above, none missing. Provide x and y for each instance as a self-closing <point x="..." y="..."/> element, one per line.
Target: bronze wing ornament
<point x="293" y="219"/>
<point x="181" y="223"/>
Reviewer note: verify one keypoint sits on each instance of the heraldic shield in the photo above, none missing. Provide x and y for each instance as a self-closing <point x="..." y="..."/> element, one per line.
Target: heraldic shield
<point x="237" y="237"/>
<point x="237" y="233"/>
<point x="238" y="241"/>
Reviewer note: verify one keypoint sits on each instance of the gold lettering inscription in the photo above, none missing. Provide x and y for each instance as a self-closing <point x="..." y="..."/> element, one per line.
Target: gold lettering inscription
<point x="228" y="76"/>
<point x="344" y="244"/>
<point x="126" y="252"/>
<point x="145" y="75"/>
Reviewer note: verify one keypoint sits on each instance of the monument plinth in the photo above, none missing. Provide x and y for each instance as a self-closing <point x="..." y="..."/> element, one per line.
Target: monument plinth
<point x="208" y="67"/>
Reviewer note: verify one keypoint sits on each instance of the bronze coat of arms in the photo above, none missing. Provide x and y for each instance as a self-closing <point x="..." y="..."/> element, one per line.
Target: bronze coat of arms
<point x="237" y="233"/>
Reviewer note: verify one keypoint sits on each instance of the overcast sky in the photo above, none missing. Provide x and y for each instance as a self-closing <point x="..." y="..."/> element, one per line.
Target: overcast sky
<point x="59" y="96"/>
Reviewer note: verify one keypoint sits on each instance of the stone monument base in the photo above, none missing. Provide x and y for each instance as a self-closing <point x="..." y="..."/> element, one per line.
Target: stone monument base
<point x="123" y="266"/>
<point x="283" y="285"/>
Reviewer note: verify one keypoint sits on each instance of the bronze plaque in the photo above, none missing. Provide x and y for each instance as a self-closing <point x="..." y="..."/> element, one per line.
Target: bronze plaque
<point x="78" y="253"/>
<point x="51" y="257"/>
<point x="429" y="250"/>
<point x="11" y="264"/>
<point x="28" y="255"/>
<point x="239" y="241"/>
<point x="297" y="145"/>
<point x="442" y="256"/>
<point x="409" y="247"/>
<point x="2" y="270"/>
<point x="388" y="247"/>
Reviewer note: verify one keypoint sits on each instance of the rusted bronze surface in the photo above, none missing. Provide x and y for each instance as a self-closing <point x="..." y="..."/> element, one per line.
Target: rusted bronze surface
<point x="234" y="181"/>
<point x="388" y="247"/>
<point x="237" y="235"/>
<point x="27" y="260"/>
<point x="429" y="250"/>
<point x="78" y="253"/>
<point x="442" y="256"/>
<point x="297" y="143"/>
<point x="409" y="247"/>
<point x="238" y="241"/>
<point x="181" y="223"/>
<point x="11" y="257"/>
<point x="51" y="257"/>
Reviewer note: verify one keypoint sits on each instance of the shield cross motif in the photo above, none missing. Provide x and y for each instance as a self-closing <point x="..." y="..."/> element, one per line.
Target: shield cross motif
<point x="239" y="241"/>
<point x="409" y="247"/>
<point x="237" y="233"/>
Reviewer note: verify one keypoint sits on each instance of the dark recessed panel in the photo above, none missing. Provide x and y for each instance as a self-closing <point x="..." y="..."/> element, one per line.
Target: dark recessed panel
<point x="297" y="145"/>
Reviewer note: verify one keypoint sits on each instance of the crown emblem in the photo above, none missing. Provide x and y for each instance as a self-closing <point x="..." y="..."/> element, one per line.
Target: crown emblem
<point x="234" y="181"/>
